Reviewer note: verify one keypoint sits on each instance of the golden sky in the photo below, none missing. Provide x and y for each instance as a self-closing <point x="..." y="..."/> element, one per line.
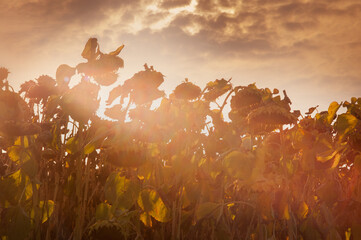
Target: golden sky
<point x="311" y="48"/>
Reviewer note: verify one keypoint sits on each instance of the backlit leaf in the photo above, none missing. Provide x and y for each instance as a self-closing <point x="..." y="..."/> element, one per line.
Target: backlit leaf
<point x="239" y="164"/>
<point x="332" y="109"/>
<point x="89" y="148"/>
<point x="91" y="50"/>
<point x="146" y="219"/>
<point x="326" y="155"/>
<point x="72" y="145"/>
<point x="120" y="191"/>
<point x="103" y="211"/>
<point x="152" y="203"/>
<point x="115" y="186"/>
<point x="47" y="208"/>
<point x="117" y="51"/>
<point x="345" y="123"/>
<point x="302" y="210"/>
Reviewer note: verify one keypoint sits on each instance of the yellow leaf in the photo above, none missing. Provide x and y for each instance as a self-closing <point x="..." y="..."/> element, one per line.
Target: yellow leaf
<point x="348" y="234"/>
<point x="302" y="210"/>
<point x="89" y="148"/>
<point x="116" y="52"/>
<point x="326" y="155"/>
<point x="71" y="146"/>
<point x="332" y="109"/>
<point x="18" y="154"/>
<point x="345" y="123"/>
<point x="151" y="203"/>
<point x="47" y="209"/>
<point x="286" y="213"/>
<point x="103" y="211"/>
<point x="22" y="141"/>
<point x="90" y="50"/>
<point x="239" y="164"/>
<point x="146" y="219"/>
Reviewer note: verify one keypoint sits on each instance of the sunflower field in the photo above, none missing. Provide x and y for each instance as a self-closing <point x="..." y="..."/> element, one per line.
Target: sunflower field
<point x="184" y="169"/>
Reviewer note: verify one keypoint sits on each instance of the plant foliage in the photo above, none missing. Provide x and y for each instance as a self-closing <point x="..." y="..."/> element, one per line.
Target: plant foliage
<point x="179" y="171"/>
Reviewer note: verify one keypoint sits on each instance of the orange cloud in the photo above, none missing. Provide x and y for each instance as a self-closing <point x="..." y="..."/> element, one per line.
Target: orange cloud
<point x="302" y="44"/>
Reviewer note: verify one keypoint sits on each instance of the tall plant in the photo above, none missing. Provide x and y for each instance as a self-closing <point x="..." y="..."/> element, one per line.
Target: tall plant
<point x="179" y="171"/>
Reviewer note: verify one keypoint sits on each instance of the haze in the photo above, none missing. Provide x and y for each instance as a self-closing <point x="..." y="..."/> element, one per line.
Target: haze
<point x="310" y="48"/>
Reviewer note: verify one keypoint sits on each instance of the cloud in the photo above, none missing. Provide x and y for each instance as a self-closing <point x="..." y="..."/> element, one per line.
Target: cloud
<point x="174" y="3"/>
<point x="317" y="40"/>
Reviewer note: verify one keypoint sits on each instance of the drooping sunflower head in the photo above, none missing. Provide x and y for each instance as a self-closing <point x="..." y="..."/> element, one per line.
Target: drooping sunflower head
<point x="4" y="72"/>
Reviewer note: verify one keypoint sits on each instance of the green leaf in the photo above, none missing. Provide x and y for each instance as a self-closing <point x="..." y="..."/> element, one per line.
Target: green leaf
<point x="89" y="148"/>
<point x="14" y="187"/>
<point x="115" y="186"/>
<point x="120" y="191"/>
<point x="345" y="123"/>
<point x="72" y="145"/>
<point x="18" y="154"/>
<point x="103" y="211"/>
<point x="151" y="203"/>
<point x="238" y="164"/>
<point x="30" y="167"/>
<point x="206" y="209"/>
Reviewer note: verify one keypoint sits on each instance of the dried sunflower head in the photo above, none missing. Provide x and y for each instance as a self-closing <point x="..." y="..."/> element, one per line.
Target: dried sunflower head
<point x="4" y="72"/>
<point x="13" y="107"/>
<point x="269" y="117"/>
<point x="143" y="86"/>
<point x="81" y="102"/>
<point x="63" y="74"/>
<point x="187" y="90"/>
<point x="246" y="97"/>
<point x="149" y="78"/>
<point x="271" y="114"/>
<point x="46" y="81"/>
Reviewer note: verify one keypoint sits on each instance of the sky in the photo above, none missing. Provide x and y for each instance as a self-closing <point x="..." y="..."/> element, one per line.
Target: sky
<point x="310" y="48"/>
